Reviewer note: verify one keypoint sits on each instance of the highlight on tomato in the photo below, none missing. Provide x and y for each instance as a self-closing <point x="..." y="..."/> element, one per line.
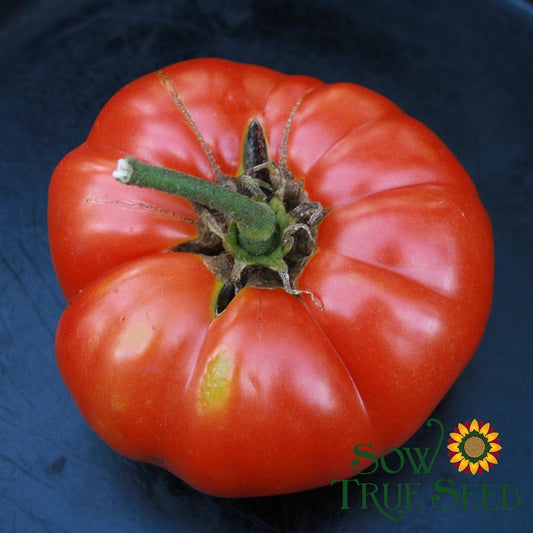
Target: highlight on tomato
<point x="263" y="270"/>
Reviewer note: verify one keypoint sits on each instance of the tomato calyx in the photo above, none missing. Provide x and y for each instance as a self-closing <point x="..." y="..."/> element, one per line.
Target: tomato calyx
<point x="258" y="229"/>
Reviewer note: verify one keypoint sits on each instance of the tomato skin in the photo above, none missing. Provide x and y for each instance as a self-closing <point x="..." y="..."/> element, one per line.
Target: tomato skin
<point x="148" y="339"/>
<point x="272" y="395"/>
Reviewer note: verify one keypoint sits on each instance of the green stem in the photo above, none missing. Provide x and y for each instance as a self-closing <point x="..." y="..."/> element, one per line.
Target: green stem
<point x="255" y="221"/>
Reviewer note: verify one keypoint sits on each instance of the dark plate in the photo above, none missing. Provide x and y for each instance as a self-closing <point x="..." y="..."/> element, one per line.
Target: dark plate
<point x="463" y="67"/>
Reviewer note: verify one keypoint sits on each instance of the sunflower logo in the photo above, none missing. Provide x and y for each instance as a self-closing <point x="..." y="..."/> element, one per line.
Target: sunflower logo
<point x="473" y="445"/>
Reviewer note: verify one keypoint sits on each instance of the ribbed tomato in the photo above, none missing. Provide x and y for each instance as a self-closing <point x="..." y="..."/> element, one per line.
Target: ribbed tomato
<point x="250" y="373"/>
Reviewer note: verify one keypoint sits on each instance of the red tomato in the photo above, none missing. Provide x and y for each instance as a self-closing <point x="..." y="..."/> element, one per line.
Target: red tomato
<point x="272" y="394"/>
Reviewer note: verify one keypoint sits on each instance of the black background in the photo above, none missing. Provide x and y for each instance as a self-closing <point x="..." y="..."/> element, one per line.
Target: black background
<point x="463" y="67"/>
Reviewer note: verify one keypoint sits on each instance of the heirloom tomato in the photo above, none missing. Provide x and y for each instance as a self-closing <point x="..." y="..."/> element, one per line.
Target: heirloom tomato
<point x="263" y="270"/>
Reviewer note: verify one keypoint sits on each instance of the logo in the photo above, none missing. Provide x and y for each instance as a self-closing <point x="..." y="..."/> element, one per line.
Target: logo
<point x="473" y="445"/>
<point x="473" y="448"/>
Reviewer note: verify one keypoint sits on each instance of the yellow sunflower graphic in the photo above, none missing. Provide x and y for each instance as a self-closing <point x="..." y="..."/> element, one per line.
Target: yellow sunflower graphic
<point x="473" y="445"/>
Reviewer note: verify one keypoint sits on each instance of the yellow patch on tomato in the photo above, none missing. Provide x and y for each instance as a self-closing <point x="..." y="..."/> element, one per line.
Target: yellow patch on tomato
<point x="215" y="386"/>
<point x="134" y="339"/>
<point x="118" y="403"/>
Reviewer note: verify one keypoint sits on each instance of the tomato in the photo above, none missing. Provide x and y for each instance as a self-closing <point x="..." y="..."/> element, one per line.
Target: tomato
<point x="240" y="377"/>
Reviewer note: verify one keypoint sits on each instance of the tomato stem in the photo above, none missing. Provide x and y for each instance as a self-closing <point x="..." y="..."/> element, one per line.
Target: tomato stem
<point x="255" y="220"/>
